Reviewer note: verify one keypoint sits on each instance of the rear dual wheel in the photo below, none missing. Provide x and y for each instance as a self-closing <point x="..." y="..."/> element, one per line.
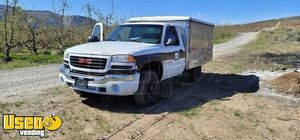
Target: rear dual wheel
<point x="195" y="74"/>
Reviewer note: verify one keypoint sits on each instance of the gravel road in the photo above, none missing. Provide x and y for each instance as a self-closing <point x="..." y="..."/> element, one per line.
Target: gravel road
<point x="234" y="44"/>
<point x="27" y="82"/>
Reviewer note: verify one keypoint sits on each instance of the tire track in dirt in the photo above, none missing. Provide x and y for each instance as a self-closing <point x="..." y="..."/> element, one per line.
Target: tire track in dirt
<point x="152" y="123"/>
<point x="158" y="127"/>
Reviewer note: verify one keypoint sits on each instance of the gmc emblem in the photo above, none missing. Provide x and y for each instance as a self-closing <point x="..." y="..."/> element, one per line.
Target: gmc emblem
<point x="85" y="61"/>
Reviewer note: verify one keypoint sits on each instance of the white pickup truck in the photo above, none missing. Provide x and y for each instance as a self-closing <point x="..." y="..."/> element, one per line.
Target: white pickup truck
<point x="137" y="55"/>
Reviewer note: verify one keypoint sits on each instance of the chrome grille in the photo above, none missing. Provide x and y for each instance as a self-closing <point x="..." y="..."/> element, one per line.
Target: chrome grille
<point x="88" y="62"/>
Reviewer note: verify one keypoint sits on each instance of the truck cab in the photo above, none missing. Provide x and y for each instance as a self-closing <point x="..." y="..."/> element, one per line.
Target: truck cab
<point x="136" y="56"/>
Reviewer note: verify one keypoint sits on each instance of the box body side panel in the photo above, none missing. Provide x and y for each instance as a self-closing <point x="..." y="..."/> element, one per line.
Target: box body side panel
<point x="199" y="50"/>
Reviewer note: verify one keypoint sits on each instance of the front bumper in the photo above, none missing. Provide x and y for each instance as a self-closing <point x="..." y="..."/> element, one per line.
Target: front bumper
<point x="117" y="84"/>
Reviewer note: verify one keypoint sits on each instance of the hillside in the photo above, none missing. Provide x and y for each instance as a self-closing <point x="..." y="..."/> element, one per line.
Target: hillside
<point x="255" y="26"/>
<point x="51" y="18"/>
<point x="224" y="33"/>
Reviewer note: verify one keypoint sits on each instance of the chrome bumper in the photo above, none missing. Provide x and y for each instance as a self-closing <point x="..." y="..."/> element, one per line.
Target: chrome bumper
<point x="118" y="84"/>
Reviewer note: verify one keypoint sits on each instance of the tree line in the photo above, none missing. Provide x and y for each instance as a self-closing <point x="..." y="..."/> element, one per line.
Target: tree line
<point x="22" y="32"/>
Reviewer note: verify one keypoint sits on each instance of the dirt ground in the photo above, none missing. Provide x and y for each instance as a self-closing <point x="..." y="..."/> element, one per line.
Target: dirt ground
<point x="288" y="84"/>
<point x="220" y="106"/>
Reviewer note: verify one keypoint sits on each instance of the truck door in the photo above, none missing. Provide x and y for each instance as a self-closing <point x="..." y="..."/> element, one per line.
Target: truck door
<point x="174" y="62"/>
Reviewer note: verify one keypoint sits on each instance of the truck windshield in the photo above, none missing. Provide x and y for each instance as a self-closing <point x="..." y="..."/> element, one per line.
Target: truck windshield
<point x="137" y="33"/>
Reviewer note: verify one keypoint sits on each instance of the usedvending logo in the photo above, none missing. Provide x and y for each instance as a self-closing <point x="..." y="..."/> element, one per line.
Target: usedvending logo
<point x="31" y="125"/>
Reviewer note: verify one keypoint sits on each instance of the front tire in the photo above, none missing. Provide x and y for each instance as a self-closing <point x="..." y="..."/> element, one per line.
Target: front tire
<point x="148" y="91"/>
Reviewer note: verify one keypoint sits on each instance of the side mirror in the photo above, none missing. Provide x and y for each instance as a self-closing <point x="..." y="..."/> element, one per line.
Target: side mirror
<point x="97" y="33"/>
<point x="93" y="39"/>
<point x="172" y="41"/>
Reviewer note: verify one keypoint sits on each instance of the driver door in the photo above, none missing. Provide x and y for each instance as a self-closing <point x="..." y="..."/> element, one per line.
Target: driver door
<point x="174" y="60"/>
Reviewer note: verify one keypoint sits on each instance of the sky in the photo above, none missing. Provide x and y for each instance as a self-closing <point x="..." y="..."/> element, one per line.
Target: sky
<point x="215" y="11"/>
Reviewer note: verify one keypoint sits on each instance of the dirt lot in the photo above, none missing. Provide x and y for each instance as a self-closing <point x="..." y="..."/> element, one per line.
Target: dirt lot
<point x="288" y="84"/>
<point x="221" y="106"/>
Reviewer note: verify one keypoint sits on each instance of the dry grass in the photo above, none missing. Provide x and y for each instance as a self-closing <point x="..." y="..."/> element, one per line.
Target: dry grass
<point x="273" y="50"/>
<point x="224" y="32"/>
<point x="222" y="35"/>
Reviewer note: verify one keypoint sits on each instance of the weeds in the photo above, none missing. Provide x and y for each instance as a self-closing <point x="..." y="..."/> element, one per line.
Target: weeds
<point x="86" y="119"/>
<point x="103" y="124"/>
<point x="27" y="60"/>
<point x="190" y="112"/>
<point x="5" y="107"/>
<point x="214" y="102"/>
<point x="62" y="133"/>
<point x="19" y="104"/>
<point x="271" y="130"/>
<point x="237" y="114"/>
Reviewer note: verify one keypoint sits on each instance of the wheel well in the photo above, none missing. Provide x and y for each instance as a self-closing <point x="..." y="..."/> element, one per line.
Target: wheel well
<point x="154" y="66"/>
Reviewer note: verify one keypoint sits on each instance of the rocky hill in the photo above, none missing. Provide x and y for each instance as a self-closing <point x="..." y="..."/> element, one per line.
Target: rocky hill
<point x="51" y="18"/>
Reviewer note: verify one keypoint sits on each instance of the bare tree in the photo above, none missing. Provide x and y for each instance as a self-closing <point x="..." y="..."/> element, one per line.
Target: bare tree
<point x="62" y="33"/>
<point x="91" y="12"/>
<point x="108" y="20"/>
<point x="33" y="31"/>
<point x="11" y="18"/>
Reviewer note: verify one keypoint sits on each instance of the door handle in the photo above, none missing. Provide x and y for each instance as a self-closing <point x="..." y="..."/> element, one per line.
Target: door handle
<point x="177" y="55"/>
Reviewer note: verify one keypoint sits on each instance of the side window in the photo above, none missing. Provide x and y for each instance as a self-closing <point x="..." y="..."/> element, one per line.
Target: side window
<point x="171" y="38"/>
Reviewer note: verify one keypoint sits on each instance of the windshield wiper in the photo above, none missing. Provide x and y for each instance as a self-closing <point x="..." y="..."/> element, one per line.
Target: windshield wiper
<point x="135" y="40"/>
<point x="109" y="39"/>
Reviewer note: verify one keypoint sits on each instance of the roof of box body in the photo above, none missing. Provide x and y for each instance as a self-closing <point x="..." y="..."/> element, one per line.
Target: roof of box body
<point x="167" y="18"/>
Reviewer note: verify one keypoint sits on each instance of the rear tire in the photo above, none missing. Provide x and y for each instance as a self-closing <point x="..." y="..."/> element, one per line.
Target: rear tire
<point x="195" y="74"/>
<point x="148" y="91"/>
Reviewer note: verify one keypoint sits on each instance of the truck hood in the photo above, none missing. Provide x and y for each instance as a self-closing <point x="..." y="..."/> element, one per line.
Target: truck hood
<point x="110" y="48"/>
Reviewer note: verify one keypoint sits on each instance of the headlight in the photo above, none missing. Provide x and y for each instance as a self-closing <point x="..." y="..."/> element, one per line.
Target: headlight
<point x="123" y="59"/>
<point x="66" y="54"/>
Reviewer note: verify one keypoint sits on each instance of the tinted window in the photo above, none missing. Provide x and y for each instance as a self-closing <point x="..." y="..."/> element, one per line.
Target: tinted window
<point x="171" y="33"/>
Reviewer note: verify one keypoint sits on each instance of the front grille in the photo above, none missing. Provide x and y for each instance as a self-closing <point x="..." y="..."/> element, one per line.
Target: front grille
<point x="88" y="63"/>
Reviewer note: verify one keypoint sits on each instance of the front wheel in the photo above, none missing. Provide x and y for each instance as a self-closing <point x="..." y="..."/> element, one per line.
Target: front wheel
<point x="148" y="92"/>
